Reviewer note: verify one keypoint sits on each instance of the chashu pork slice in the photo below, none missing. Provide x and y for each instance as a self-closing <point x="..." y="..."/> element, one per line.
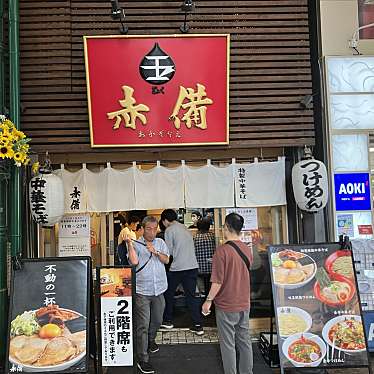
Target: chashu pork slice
<point x="27" y="350"/>
<point x="58" y="350"/>
<point x="79" y="339"/>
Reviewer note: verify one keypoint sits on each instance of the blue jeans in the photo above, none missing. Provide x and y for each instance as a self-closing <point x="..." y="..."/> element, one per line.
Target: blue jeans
<point x="188" y="279"/>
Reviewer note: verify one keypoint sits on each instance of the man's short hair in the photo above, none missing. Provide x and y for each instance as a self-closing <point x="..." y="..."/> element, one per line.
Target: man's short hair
<point x="204" y="224"/>
<point x="234" y="222"/>
<point x="169" y="214"/>
<point x="134" y="219"/>
<point x="138" y="227"/>
<point x="149" y="219"/>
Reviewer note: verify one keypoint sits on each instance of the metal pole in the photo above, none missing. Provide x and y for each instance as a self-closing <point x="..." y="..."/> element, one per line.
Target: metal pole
<point x="3" y="263"/>
<point x="3" y="210"/>
<point x="14" y="84"/>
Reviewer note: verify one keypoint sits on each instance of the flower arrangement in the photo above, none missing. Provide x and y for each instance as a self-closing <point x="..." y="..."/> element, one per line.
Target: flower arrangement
<point x="13" y="143"/>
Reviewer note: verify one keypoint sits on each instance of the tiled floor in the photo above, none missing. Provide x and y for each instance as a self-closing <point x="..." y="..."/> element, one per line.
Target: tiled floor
<point x="185" y="336"/>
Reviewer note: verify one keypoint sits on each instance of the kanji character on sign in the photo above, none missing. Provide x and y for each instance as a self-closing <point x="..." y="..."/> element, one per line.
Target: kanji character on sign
<point x="195" y="107"/>
<point x="130" y="112"/>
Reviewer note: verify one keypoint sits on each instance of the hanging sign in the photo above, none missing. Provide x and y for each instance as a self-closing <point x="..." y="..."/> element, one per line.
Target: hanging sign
<point x="74" y="237"/>
<point x="157" y="90"/>
<point x="49" y="316"/>
<point x="116" y="289"/>
<point x="46" y="199"/>
<point x="317" y="308"/>
<point x="352" y="191"/>
<point x="310" y="185"/>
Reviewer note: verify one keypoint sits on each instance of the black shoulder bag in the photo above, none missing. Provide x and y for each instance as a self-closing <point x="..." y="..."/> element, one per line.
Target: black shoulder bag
<point x="240" y="253"/>
<point x="137" y="271"/>
<point x="122" y="255"/>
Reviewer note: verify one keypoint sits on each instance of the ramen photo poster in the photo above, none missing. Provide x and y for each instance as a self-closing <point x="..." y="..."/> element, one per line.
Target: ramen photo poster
<point x="48" y="316"/>
<point x="317" y="307"/>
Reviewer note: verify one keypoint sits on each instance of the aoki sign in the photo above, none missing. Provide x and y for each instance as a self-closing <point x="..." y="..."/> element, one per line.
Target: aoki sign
<point x="352" y="191"/>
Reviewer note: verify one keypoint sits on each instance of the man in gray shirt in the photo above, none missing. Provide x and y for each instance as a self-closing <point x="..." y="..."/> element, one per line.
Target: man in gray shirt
<point x="149" y="254"/>
<point x="183" y="269"/>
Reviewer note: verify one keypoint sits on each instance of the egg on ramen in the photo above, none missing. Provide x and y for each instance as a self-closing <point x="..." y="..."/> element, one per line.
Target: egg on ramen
<point x="290" y="267"/>
<point x="48" y="336"/>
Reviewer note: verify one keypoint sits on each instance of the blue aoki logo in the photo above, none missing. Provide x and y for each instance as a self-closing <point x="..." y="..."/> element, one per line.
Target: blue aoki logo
<point x="352" y="191"/>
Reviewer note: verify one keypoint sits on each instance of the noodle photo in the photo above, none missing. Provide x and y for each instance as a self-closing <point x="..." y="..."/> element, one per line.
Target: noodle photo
<point x="343" y="266"/>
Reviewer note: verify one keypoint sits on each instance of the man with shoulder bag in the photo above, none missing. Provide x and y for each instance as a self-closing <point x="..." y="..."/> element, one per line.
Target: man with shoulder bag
<point x="230" y="291"/>
<point x="149" y="254"/>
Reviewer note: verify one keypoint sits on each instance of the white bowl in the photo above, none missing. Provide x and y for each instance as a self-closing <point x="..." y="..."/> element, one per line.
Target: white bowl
<point x="315" y="338"/>
<point x="297" y="311"/>
<point x="297" y="285"/>
<point x="58" y="367"/>
<point x="331" y="323"/>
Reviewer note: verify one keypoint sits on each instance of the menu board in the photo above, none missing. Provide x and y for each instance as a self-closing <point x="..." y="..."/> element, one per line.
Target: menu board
<point x="116" y="315"/>
<point x="317" y="307"/>
<point x="363" y="254"/>
<point x="49" y="316"/>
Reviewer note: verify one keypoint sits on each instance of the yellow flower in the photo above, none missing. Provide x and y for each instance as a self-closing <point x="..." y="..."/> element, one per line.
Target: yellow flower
<point x="4" y="140"/>
<point x="19" y="156"/>
<point x="35" y="167"/>
<point x="26" y="161"/>
<point x="9" y="124"/>
<point x="18" y="134"/>
<point x="6" y="151"/>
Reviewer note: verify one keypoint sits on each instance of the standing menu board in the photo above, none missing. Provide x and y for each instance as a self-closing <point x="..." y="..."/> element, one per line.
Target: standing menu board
<point x="117" y="291"/>
<point x="317" y="307"/>
<point x="363" y="254"/>
<point x="49" y="316"/>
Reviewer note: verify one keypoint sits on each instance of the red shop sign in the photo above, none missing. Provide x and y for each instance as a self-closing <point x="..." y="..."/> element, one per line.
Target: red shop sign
<point x="157" y="90"/>
<point x="365" y="229"/>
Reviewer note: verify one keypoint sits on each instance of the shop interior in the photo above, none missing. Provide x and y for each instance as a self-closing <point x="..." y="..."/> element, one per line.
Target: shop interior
<point x="270" y="228"/>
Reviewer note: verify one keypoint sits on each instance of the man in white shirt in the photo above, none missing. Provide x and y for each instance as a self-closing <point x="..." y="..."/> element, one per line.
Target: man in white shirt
<point x="149" y="254"/>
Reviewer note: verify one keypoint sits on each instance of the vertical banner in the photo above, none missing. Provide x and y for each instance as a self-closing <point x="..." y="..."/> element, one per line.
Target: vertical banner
<point x="317" y="308"/>
<point x="117" y="296"/>
<point x="74" y="236"/>
<point x="49" y="316"/>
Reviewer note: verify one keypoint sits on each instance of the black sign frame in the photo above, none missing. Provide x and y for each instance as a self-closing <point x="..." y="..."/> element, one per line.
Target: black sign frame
<point x="17" y="266"/>
<point x="339" y="246"/>
<point x="98" y="305"/>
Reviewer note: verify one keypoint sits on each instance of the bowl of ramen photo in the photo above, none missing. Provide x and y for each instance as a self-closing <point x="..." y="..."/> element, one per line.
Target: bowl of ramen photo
<point x="333" y="289"/>
<point x="345" y="333"/>
<point x="304" y="349"/>
<point x="292" y="320"/>
<point x="292" y="269"/>
<point x="340" y="262"/>
<point x="47" y="339"/>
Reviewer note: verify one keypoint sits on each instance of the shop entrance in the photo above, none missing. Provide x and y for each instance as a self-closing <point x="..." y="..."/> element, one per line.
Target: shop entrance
<point x="264" y="225"/>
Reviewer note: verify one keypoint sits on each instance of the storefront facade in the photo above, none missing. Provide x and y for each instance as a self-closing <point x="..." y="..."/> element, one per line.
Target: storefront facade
<point x="269" y="81"/>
